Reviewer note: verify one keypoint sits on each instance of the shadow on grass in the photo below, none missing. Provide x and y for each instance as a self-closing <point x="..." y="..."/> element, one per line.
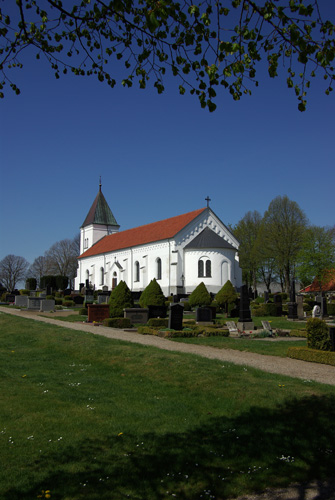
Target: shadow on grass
<point x="221" y="459"/>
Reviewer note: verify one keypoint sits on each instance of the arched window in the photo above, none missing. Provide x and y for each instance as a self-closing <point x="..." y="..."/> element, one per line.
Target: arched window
<point x="200" y="268"/>
<point x="208" y="268"/>
<point x="102" y="276"/>
<point x="137" y="271"/>
<point x="159" y="269"/>
<point x="114" y="281"/>
<point x="204" y="268"/>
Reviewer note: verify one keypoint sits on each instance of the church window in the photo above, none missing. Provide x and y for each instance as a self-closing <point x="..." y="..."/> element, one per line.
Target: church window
<point x="204" y="268"/>
<point x="159" y="269"/>
<point x="137" y="271"/>
<point x="102" y="275"/>
<point x="200" y="268"/>
<point x="208" y="268"/>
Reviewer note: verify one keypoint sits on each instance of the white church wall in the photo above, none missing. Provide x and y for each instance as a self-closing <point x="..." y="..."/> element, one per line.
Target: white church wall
<point x="222" y="269"/>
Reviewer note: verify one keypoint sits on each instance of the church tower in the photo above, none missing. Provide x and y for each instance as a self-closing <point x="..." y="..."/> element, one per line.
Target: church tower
<point x="99" y="222"/>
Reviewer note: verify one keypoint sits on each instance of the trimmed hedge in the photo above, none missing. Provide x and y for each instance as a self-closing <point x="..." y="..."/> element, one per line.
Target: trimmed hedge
<point x="318" y="334"/>
<point x="158" y="322"/>
<point x="331" y="309"/>
<point x="117" y="322"/>
<point x="186" y="332"/>
<point x="312" y="355"/>
<point x="268" y="309"/>
<point x="298" y="333"/>
<point x="83" y="311"/>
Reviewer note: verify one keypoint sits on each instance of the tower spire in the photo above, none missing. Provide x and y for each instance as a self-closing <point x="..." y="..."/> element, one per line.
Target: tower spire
<point x="100" y="184"/>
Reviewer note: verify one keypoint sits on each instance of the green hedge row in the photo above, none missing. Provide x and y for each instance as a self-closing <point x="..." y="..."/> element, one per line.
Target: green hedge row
<point x="298" y="333"/>
<point x="313" y="355"/>
<point x="117" y="322"/>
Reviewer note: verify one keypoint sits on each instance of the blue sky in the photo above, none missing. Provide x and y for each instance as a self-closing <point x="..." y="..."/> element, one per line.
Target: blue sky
<point x="158" y="155"/>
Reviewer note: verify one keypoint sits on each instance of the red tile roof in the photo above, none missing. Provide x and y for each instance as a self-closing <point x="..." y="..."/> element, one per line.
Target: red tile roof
<point x="142" y="235"/>
<point x="328" y="285"/>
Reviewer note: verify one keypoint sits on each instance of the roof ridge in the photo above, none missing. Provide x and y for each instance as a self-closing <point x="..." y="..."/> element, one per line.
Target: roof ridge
<point x="142" y="235"/>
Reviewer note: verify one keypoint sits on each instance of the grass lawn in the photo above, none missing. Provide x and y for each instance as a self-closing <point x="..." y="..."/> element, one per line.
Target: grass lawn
<point x="90" y="418"/>
<point x="271" y="348"/>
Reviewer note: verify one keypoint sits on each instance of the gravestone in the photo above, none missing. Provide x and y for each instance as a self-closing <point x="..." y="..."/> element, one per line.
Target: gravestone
<point x="138" y="315"/>
<point x="300" y="307"/>
<point x="97" y="312"/>
<point x="157" y="311"/>
<point x="34" y="303"/>
<point x="176" y="313"/>
<point x="332" y="337"/>
<point x="47" y="305"/>
<point x="245" y="321"/>
<point x="21" y="300"/>
<point x="277" y="299"/>
<point x="103" y="299"/>
<point x="322" y="302"/>
<point x="233" y="331"/>
<point x="292" y="305"/>
<point x="204" y="315"/>
<point x="266" y="297"/>
<point x="89" y="296"/>
<point x="266" y="325"/>
<point x="42" y="295"/>
<point x="78" y="299"/>
<point x="10" y="297"/>
<point x="48" y="290"/>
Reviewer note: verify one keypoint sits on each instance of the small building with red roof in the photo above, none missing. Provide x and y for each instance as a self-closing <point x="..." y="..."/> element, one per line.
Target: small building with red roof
<point x="328" y="284"/>
<point x="179" y="252"/>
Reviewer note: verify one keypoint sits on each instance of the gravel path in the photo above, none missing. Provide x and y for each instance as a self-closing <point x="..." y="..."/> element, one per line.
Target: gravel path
<point x="301" y="369"/>
<point x="273" y="364"/>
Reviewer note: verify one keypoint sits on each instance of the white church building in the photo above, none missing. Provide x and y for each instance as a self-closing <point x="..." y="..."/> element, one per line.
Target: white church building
<point x="180" y="252"/>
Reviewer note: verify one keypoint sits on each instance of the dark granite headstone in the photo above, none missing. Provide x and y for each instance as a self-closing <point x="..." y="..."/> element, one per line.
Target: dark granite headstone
<point x="266" y="297"/>
<point x="157" y="311"/>
<point x="277" y="299"/>
<point x="292" y="305"/>
<point x="332" y="337"/>
<point x="204" y="315"/>
<point x="245" y="314"/>
<point x="176" y="317"/>
<point x="245" y="321"/>
<point x="10" y="297"/>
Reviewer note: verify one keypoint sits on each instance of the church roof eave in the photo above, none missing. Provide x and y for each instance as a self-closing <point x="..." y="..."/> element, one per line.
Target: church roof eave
<point x="142" y="235"/>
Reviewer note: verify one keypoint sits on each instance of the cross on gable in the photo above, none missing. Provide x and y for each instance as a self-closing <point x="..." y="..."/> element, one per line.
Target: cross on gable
<point x="208" y="200"/>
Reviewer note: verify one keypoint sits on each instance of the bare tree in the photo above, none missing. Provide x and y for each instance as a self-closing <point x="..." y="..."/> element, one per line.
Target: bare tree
<point x="37" y="269"/>
<point x="13" y="269"/>
<point x="61" y="258"/>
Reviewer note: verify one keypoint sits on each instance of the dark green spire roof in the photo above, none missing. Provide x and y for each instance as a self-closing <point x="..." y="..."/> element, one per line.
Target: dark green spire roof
<point x="100" y="213"/>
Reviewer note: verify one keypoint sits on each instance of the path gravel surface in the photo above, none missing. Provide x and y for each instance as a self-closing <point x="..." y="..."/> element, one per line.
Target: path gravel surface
<point x="324" y="374"/>
<point x="301" y="369"/>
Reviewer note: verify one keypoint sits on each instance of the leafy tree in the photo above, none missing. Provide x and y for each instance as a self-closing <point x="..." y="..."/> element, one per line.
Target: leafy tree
<point x="200" y="296"/>
<point x="152" y="295"/>
<point x="206" y="45"/>
<point x="282" y="235"/>
<point x="246" y="231"/>
<point x="317" y="255"/>
<point x="226" y="296"/>
<point x="120" y="298"/>
<point x="13" y="269"/>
